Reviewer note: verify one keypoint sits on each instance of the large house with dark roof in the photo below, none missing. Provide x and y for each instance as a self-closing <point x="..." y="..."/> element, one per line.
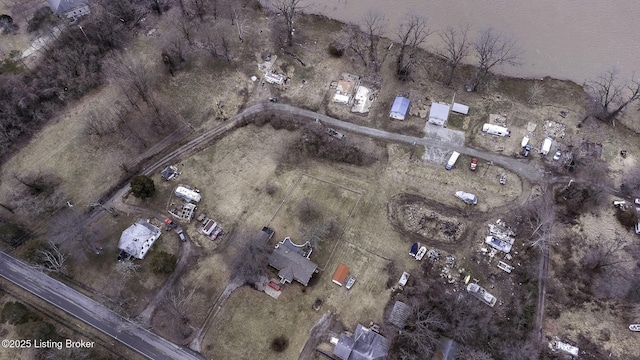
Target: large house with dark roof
<point x="292" y="262"/>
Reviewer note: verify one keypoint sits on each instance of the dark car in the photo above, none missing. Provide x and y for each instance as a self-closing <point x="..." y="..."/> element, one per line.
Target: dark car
<point x="526" y="150"/>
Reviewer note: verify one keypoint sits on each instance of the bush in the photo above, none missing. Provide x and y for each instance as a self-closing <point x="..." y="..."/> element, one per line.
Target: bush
<point x="142" y="186"/>
<point x="37" y="330"/>
<point x="271" y="189"/>
<point x="13" y="234"/>
<point x="16" y="313"/>
<point x="627" y="216"/>
<point x="279" y="344"/>
<point x="163" y="263"/>
<point x="41" y="17"/>
<point x="6" y="24"/>
<point x="336" y="49"/>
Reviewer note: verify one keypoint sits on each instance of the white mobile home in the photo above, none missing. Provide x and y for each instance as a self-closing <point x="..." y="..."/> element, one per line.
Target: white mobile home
<point x="187" y="194"/>
<point x="496" y="130"/>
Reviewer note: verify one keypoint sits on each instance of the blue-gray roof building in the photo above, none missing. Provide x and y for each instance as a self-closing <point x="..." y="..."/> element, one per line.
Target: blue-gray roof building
<point x="399" y="108"/>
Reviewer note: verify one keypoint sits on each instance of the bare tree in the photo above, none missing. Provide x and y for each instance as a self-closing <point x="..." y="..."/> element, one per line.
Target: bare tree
<point x="605" y="256"/>
<point x="127" y="268"/>
<point x="456" y="48"/>
<point x="610" y="96"/>
<point x="250" y="262"/>
<point x="493" y="48"/>
<point x="308" y="210"/>
<point x="412" y="33"/>
<point x="238" y="19"/>
<point x="540" y="218"/>
<point x="535" y="92"/>
<point x="51" y="259"/>
<point x="374" y="24"/>
<point x="288" y="9"/>
<point x="180" y="300"/>
<point x="132" y="75"/>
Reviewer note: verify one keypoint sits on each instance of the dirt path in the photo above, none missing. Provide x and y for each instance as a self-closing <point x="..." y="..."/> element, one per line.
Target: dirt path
<point x="317" y="333"/>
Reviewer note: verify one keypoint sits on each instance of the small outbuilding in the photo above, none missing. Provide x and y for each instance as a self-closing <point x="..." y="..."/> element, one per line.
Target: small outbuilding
<point x="400" y="314"/>
<point x="399" y="108"/>
<point x="439" y="113"/>
<point x="72" y="9"/>
<point x="341" y="275"/>
<point x="169" y="172"/>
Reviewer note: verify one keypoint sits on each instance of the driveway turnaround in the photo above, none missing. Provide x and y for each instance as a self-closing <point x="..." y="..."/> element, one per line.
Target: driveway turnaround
<point x="97" y="315"/>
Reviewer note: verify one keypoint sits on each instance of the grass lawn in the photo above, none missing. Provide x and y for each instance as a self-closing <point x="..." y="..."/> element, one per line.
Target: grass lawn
<point x="333" y="201"/>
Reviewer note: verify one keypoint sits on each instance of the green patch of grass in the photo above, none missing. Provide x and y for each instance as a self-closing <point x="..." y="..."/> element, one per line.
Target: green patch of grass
<point x="455" y="122"/>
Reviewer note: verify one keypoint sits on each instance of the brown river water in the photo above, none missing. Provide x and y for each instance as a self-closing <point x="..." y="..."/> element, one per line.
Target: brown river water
<point x="565" y="39"/>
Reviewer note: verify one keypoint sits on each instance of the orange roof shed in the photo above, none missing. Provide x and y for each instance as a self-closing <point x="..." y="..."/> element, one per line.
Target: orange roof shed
<point x="340" y="276"/>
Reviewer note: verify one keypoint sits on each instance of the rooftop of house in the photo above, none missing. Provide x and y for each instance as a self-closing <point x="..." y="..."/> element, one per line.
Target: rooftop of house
<point x="62" y="6"/>
<point x="137" y="239"/>
<point x="292" y="265"/>
<point x="364" y="344"/>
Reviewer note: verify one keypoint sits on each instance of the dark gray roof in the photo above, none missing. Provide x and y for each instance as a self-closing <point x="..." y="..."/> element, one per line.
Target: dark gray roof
<point x="292" y="265"/>
<point x="168" y="172"/>
<point x="400" y="314"/>
<point x="363" y="345"/>
<point x="62" y="6"/>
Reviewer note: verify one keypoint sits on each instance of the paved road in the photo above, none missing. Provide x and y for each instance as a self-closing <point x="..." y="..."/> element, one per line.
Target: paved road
<point x="56" y="293"/>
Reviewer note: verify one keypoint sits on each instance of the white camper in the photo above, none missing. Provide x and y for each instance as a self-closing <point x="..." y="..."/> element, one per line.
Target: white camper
<point x="493" y="129"/>
<point x="452" y="160"/>
<point x="546" y="146"/>
<point x="187" y="194"/>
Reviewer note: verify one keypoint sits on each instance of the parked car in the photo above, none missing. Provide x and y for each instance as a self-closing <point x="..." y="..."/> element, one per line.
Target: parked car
<point x="335" y="134"/>
<point x="170" y="223"/>
<point x="181" y="235"/>
<point x="273" y="99"/>
<point x="619" y="203"/>
<point x="273" y="285"/>
<point x="503" y="179"/>
<point x="474" y="164"/>
<point x="637" y="201"/>
<point x="557" y="155"/>
<point x="527" y="149"/>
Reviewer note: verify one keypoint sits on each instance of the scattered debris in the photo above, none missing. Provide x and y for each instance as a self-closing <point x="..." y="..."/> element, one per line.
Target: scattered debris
<point x="554" y="129"/>
<point x="497" y="119"/>
<point x="557" y="345"/>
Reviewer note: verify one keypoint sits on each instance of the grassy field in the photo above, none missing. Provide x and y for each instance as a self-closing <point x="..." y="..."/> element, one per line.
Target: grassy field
<point x="234" y="174"/>
<point x="334" y="202"/>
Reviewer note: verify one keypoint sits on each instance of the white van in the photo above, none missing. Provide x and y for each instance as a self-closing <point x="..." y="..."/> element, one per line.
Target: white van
<point x="452" y="160"/>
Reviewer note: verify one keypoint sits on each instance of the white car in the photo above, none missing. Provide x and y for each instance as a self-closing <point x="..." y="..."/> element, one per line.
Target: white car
<point x="637" y="201"/>
<point x="557" y="155"/>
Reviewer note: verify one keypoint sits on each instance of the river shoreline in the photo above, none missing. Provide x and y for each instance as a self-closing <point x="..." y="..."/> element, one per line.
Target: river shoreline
<point x="564" y="40"/>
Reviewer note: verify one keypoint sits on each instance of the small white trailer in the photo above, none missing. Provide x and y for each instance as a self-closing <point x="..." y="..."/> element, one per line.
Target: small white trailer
<point x="546" y="145"/>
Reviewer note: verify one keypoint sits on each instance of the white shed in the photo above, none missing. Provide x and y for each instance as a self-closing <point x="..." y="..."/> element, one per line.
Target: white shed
<point x="460" y="108"/>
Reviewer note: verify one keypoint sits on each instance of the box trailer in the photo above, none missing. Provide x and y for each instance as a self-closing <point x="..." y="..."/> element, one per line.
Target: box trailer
<point x="546" y="146"/>
<point x="495" y="130"/>
<point x="452" y="160"/>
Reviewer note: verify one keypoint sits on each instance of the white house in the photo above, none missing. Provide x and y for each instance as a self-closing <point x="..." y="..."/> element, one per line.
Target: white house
<point x="439" y="113"/>
<point x="137" y="239"/>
